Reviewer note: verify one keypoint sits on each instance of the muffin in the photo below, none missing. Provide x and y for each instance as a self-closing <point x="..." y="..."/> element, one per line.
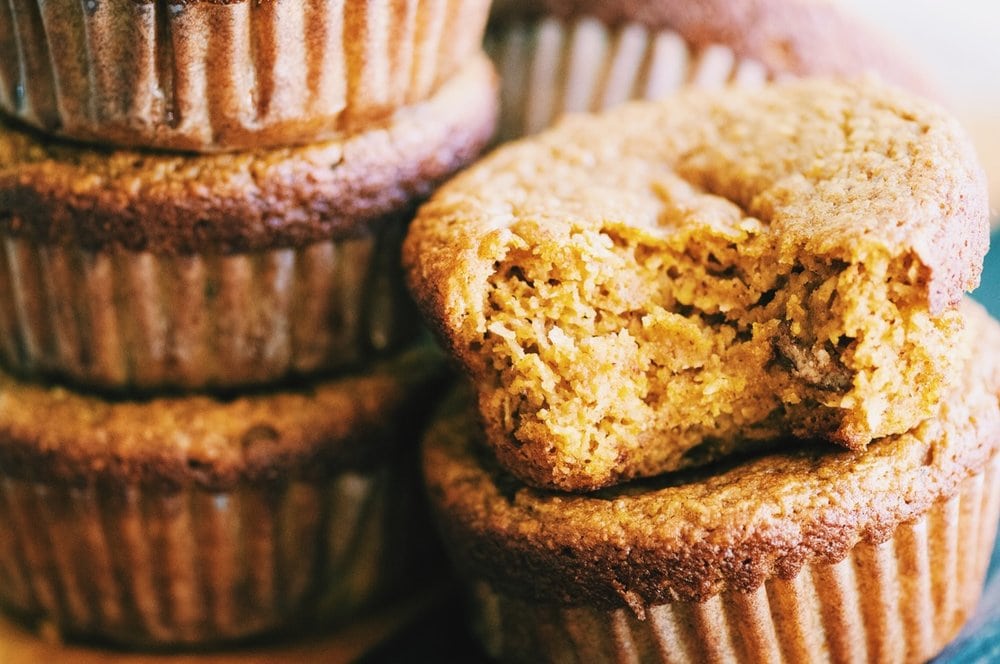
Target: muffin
<point x="559" y="56"/>
<point x="143" y="271"/>
<point x="807" y="554"/>
<point x="193" y="520"/>
<point x="213" y="76"/>
<point x="659" y="286"/>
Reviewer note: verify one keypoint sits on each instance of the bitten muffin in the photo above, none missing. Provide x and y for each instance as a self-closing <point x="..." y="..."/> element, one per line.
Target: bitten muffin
<point x="210" y="75"/>
<point x="560" y="56"/>
<point x="143" y="271"/>
<point x="806" y="555"/>
<point x="657" y="287"/>
<point x="194" y="520"/>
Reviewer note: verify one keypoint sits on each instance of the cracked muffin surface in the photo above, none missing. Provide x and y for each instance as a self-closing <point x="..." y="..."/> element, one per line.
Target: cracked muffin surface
<point x="654" y="288"/>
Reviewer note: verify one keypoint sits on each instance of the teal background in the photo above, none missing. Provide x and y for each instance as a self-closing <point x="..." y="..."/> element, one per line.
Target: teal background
<point x="980" y="641"/>
<point x="989" y="290"/>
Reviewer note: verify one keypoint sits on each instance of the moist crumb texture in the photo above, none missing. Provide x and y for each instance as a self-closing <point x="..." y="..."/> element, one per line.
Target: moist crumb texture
<point x="688" y="536"/>
<point x="654" y="289"/>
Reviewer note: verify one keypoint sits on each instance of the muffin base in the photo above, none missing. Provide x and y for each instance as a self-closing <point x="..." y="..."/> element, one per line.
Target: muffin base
<point x="119" y="320"/>
<point x="147" y="568"/>
<point x="900" y="600"/>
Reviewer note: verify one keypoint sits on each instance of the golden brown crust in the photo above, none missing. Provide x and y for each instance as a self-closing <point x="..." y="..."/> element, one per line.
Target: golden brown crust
<point x="690" y="536"/>
<point x="61" y="194"/>
<point x="225" y="75"/>
<point x="801" y="37"/>
<point x="836" y="167"/>
<point x="53" y="434"/>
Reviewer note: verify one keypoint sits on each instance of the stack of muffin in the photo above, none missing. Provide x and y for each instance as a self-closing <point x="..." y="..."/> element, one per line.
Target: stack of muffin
<point x="211" y="383"/>
<point x="726" y="400"/>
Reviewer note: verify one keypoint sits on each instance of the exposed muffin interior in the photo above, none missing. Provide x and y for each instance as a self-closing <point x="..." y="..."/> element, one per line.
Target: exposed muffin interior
<point x="653" y="288"/>
<point x="762" y="558"/>
<point x="707" y="337"/>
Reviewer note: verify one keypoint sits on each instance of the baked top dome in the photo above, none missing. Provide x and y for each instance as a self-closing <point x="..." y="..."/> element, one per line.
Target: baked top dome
<point x="52" y="434"/>
<point x="59" y="193"/>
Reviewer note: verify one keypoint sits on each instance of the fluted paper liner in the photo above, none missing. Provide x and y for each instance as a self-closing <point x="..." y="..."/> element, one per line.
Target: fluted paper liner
<point x="901" y="600"/>
<point x="240" y="74"/>
<point x="147" y="567"/>
<point x="550" y="67"/>
<point x="120" y="319"/>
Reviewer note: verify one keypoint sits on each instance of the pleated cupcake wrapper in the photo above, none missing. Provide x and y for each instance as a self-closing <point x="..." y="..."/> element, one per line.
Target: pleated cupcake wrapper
<point x="550" y="67"/>
<point x="119" y="319"/>
<point x="899" y="601"/>
<point x="152" y="568"/>
<point x="234" y="75"/>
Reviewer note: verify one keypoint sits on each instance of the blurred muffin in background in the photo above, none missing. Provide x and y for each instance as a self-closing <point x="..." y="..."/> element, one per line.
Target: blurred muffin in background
<point x="559" y="56"/>
<point x="142" y="271"/>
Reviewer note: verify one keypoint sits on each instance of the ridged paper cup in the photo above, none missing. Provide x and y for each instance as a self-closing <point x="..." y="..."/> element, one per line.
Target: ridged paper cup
<point x="117" y="319"/>
<point x="193" y="521"/>
<point x="214" y="76"/>
<point x="807" y="554"/>
<point x="560" y="56"/>
<point x="550" y="66"/>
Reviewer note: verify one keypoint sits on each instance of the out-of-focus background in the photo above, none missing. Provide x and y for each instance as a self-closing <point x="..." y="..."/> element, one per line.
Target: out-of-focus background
<point x="959" y="43"/>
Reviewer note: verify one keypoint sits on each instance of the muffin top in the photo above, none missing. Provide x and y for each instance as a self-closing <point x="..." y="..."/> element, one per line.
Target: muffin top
<point x="688" y="536"/>
<point x="59" y="193"/>
<point x="844" y="169"/>
<point x="52" y="433"/>
<point x="800" y="37"/>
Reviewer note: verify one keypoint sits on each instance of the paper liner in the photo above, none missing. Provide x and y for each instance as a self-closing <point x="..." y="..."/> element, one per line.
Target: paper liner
<point x="145" y="567"/>
<point x="899" y="601"/>
<point x="119" y="319"/>
<point x="550" y="67"/>
<point x="214" y="75"/>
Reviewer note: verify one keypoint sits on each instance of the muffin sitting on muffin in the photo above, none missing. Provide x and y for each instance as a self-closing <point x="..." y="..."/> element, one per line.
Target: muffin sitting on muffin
<point x="738" y="277"/>
<point x="805" y="555"/>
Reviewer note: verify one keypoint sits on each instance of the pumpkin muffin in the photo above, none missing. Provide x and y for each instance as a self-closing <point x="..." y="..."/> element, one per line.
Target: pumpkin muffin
<point x="143" y="271"/>
<point x="560" y="56"/>
<point x="665" y="284"/>
<point x="192" y="520"/>
<point x="807" y="554"/>
<point x="210" y="75"/>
